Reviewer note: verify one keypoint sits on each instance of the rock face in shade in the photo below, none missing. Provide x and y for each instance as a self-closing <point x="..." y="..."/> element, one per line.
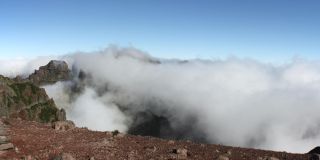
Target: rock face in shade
<point x="51" y="73"/>
<point x="315" y="153"/>
<point x="25" y="100"/>
<point x="315" y="150"/>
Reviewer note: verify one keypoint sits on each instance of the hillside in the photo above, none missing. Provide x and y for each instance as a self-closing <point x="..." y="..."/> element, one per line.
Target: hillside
<point x="27" y="101"/>
<point x="35" y="140"/>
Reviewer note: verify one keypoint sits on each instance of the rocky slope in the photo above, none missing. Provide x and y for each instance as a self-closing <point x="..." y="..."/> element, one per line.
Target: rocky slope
<point x="52" y="72"/>
<point x="23" y="98"/>
<point x="40" y="141"/>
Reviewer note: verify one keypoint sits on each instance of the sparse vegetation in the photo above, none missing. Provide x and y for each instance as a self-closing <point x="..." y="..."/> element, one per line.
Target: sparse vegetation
<point x="19" y="89"/>
<point x="115" y="132"/>
<point x="48" y="114"/>
<point x="23" y="98"/>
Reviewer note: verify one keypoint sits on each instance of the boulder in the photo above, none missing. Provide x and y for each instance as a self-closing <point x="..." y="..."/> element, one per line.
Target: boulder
<point x="315" y="150"/>
<point x="223" y="157"/>
<point x="63" y="125"/>
<point x="61" y="115"/>
<point x="182" y="153"/>
<point x="314" y="156"/>
<point x="6" y="146"/>
<point x="29" y="157"/>
<point x="64" y="156"/>
<point x="27" y="101"/>
<point x="24" y="99"/>
<point x="314" y="153"/>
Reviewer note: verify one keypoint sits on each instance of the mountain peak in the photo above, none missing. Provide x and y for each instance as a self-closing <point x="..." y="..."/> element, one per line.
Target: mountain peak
<point x="54" y="71"/>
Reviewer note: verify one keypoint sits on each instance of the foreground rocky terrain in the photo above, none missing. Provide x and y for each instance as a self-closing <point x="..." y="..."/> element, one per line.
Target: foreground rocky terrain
<point x="33" y="140"/>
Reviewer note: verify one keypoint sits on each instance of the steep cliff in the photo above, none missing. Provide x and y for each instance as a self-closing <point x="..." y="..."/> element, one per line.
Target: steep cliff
<point x="52" y="72"/>
<point x="27" y="101"/>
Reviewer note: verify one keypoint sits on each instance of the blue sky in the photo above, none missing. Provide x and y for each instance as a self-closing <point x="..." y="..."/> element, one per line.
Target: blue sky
<point x="267" y="30"/>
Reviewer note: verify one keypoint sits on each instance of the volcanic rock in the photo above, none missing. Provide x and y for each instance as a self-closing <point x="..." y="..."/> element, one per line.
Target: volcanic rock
<point x="51" y="73"/>
<point x="182" y="153"/>
<point x="42" y="142"/>
<point x="26" y="101"/>
<point x="64" y="156"/>
<point x="61" y="115"/>
<point x="63" y="125"/>
<point x="315" y="150"/>
<point x="28" y="157"/>
<point x="223" y="157"/>
<point x="6" y="146"/>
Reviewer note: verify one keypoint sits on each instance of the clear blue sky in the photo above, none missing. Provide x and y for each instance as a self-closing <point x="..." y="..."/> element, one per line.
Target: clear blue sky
<point x="261" y="29"/>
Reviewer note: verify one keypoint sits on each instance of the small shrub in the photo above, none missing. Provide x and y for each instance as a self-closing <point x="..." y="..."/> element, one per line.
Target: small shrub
<point x="115" y="132"/>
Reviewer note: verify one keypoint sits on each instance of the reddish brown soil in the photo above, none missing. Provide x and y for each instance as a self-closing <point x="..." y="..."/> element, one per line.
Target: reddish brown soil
<point x="43" y="142"/>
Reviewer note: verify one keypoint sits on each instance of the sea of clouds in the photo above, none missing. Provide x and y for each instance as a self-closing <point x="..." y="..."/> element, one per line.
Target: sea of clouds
<point x="238" y="102"/>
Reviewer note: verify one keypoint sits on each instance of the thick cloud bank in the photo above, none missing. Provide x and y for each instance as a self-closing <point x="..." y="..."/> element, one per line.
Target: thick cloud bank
<point x="237" y="102"/>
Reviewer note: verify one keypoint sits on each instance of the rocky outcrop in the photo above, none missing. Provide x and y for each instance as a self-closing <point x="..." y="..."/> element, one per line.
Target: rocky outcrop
<point x="23" y="99"/>
<point x="63" y="125"/>
<point x="64" y="156"/>
<point x="315" y="153"/>
<point x="4" y="140"/>
<point x="52" y="72"/>
<point x="181" y="153"/>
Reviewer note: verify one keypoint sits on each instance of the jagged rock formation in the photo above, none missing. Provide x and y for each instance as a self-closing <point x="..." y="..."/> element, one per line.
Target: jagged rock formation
<point x="52" y="72"/>
<point x="63" y="125"/>
<point x="27" y="101"/>
<point x="315" y="153"/>
<point x="22" y="98"/>
<point x="5" y="143"/>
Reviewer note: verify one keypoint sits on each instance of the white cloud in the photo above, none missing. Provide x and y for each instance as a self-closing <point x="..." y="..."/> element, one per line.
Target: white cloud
<point x="235" y="101"/>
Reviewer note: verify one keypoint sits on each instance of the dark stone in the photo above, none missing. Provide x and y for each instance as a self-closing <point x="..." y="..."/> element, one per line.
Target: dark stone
<point x="51" y="73"/>
<point x="61" y="115"/>
<point x="26" y="101"/>
<point x="314" y="157"/>
<point x="63" y="156"/>
<point x="315" y="150"/>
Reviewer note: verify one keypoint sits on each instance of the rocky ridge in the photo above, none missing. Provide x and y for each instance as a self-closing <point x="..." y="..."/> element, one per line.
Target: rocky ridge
<point x="23" y="98"/>
<point x="51" y="73"/>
